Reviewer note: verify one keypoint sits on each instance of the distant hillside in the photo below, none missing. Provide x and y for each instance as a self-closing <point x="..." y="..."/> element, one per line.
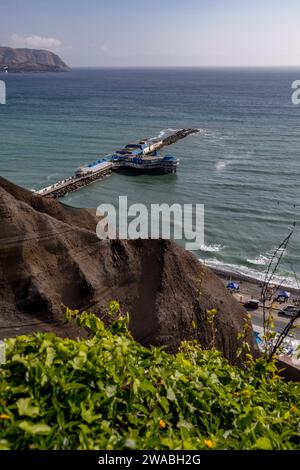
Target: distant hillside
<point x="30" y="60"/>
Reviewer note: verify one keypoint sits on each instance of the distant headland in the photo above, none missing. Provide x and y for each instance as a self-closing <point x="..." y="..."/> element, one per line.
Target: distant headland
<point x="30" y="60"/>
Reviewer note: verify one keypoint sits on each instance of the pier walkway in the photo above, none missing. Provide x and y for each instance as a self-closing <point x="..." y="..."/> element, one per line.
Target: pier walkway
<point x="73" y="183"/>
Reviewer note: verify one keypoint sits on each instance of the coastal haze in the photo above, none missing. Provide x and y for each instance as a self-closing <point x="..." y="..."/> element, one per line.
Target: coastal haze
<point x="157" y="33"/>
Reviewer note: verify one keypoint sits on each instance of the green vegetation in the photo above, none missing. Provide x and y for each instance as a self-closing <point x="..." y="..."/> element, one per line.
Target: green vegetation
<point x="109" y="392"/>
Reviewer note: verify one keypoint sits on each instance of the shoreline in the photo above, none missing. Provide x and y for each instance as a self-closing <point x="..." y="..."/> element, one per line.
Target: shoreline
<point x="251" y="289"/>
<point x="244" y="279"/>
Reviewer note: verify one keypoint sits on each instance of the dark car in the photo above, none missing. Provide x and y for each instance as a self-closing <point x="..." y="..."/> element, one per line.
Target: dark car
<point x="290" y="311"/>
<point x="251" y="304"/>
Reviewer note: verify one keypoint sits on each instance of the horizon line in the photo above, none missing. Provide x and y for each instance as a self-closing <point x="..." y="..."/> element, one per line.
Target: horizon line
<point x="184" y="66"/>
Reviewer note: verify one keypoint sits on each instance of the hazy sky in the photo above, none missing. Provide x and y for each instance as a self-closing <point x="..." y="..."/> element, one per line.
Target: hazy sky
<point x="157" y="32"/>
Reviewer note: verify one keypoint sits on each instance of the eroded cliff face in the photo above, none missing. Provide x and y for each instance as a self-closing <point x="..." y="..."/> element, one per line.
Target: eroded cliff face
<point x="50" y="255"/>
<point x="30" y="60"/>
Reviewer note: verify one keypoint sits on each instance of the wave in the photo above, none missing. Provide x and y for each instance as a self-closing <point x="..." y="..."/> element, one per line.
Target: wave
<point x="260" y="260"/>
<point x="169" y="130"/>
<point x="52" y="175"/>
<point x="214" y="248"/>
<point x="264" y="259"/>
<point x="222" y="164"/>
<point x="164" y="132"/>
<point x="201" y="131"/>
<point x="172" y="130"/>
<point x="241" y="271"/>
<point x="161" y="134"/>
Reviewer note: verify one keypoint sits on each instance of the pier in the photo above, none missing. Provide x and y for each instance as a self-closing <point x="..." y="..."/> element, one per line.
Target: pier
<point x="102" y="168"/>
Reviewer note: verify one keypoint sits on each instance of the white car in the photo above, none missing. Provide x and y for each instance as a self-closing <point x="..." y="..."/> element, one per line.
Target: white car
<point x="290" y="311"/>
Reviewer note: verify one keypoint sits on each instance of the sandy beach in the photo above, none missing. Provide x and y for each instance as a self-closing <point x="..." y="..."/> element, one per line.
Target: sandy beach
<point x="251" y="289"/>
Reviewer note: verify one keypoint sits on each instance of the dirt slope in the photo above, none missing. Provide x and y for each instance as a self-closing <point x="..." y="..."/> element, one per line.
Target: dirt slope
<point x="50" y="255"/>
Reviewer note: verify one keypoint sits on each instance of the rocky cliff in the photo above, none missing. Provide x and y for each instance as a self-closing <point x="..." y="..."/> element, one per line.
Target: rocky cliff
<point x="30" y="60"/>
<point x="50" y="255"/>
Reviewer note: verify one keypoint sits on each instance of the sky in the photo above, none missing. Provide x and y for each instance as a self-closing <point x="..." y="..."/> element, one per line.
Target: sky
<point x="101" y="33"/>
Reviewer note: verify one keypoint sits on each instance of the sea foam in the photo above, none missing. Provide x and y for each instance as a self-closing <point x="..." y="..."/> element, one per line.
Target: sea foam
<point x="222" y="164"/>
<point x="237" y="270"/>
<point x="214" y="248"/>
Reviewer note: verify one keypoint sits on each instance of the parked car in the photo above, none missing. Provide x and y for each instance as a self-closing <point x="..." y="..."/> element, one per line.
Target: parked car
<point x="290" y="311"/>
<point x="252" y="304"/>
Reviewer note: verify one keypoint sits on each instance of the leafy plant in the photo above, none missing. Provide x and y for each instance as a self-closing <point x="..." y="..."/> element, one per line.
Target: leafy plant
<point x="109" y="392"/>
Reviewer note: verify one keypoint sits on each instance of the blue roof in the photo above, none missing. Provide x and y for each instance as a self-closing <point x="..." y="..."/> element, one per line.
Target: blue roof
<point x="232" y="285"/>
<point x="170" y="157"/>
<point x="283" y="293"/>
<point x="257" y="337"/>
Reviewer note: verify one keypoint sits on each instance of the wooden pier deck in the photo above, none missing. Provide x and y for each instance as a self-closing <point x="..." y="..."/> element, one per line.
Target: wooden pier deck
<point x="73" y="183"/>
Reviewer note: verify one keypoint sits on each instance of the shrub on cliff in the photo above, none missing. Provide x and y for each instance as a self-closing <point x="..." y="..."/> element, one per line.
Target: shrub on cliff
<point x="109" y="392"/>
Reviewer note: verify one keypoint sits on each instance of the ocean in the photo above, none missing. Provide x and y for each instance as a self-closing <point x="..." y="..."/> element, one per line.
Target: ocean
<point x="243" y="165"/>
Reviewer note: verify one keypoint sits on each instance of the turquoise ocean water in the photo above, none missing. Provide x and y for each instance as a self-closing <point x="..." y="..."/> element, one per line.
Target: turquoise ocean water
<point x="243" y="165"/>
